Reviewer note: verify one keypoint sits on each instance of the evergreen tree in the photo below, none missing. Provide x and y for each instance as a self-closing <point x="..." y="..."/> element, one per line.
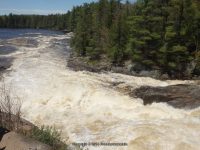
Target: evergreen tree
<point x="157" y="34"/>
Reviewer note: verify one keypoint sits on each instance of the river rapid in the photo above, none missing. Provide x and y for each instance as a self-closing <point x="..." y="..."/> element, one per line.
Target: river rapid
<point x="84" y="105"/>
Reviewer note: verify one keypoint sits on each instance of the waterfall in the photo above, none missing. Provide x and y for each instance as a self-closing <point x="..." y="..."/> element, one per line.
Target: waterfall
<point x="85" y="106"/>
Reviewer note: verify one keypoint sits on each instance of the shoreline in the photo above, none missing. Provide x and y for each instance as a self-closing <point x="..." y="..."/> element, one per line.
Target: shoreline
<point x="179" y="96"/>
<point x="77" y="63"/>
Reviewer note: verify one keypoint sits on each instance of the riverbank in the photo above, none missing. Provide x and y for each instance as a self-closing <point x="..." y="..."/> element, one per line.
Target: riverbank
<point x="179" y="96"/>
<point x="184" y="96"/>
<point x="77" y="63"/>
<point x="83" y="63"/>
<point x="15" y="133"/>
<point x="18" y="133"/>
<point x="87" y="108"/>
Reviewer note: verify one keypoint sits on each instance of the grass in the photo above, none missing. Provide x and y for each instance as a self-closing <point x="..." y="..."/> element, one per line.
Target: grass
<point x="48" y="135"/>
<point x="10" y="118"/>
<point x="10" y="108"/>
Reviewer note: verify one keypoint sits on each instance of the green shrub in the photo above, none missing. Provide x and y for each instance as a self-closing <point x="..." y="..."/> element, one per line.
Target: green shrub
<point x="48" y="135"/>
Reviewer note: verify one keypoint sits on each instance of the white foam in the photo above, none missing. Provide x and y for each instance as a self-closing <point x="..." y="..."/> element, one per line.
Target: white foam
<point x="87" y="109"/>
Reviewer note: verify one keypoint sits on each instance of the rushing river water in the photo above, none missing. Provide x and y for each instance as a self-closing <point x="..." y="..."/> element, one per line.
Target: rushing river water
<point x="84" y="105"/>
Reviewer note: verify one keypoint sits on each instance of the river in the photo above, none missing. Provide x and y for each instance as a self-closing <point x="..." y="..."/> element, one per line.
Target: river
<point x="84" y="105"/>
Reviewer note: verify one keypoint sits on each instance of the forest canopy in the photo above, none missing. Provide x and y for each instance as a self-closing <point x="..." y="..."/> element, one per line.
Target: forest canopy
<point x="54" y="21"/>
<point x="157" y="34"/>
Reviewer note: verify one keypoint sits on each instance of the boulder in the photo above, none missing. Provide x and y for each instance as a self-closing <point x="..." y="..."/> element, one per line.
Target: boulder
<point x="164" y="77"/>
<point x="83" y="64"/>
<point x="120" y="70"/>
<point x="178" y="96"/>
<point x="7" y="49"/>
<point x="196" y="70"/>
<point x="150" y="73"/>
<point x="5" y="63"/>
<point x="15" y="141"/>
<point x="25" y="42"/>
<point x="137" y="67"/>
<point x="3" y="131"/>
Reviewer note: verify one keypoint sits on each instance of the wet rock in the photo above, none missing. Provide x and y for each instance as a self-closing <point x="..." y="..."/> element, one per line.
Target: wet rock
<point x="190" y="69"/>
<point x="14" y="141"/>
<point x="164" y="77"/>
<point x="26" y="42"/>
<point x="152" y="73"/>
<point x="3" y="131"/>
<point x="196" y="70"/>
<point x="120" y="70"/>
<point x="6" y="49"/>
<point x="128" y="68"/>
<point x="197" y="78"/>
<point x="80" y="64"/>
<point x="178" y="96"/>
<point x="5" y="63"/>
<point x="136" y="67"/>
<point x="116" y="83"/>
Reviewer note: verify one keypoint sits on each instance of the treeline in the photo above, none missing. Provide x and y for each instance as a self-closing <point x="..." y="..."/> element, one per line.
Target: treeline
<point x="56" y="21"/>
<point x="156" y="34"/>
<point x="153" y="34"/>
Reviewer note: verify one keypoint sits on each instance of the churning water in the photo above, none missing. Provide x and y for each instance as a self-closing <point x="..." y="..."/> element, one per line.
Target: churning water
<point x="85" y="106"/>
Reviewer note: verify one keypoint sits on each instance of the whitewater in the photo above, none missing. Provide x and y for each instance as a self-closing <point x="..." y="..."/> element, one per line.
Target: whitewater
<point x="86" y="107"/>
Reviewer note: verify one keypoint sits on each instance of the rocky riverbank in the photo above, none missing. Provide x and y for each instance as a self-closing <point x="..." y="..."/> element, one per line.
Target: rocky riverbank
<point x="186" y="96"/>
<point x="80" y="64"/>
<point x="17" y="133"/>
<point x="16" y="141"/>
<point x="14" y="134"/>
<point x="178" y="96"/>
<point x="83" y="63"/>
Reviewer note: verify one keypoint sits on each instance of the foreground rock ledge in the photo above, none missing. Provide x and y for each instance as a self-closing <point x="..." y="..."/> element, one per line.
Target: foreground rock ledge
<point x="178" y="96"/>
<point x="14" y="141"/>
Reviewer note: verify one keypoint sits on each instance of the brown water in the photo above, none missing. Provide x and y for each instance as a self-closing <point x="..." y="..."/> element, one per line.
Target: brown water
<point x="86" y="107"/>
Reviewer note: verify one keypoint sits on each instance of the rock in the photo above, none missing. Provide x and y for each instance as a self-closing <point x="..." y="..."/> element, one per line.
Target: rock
<point x="120" y="70"/>
<point x="130" y="67"/>
<point x="151" y="73"/>
<point x="80" y="64"/>
<point x="138" y="67"/>
<point x="3" y="131"/>
<point x="190" y="68"/>
<point x="196" y="70"/>
<point x="5" y="64"/>
<point x="14" y="141"/>
<point x="197" y="82"/>
<point x="178" y="96"/>
<point x="26" y="42"/>
<point x="7" y="49"/>
<point x="195" y="77"/>
<point x="15" y="123"/>
<point x="164" y="77"/>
